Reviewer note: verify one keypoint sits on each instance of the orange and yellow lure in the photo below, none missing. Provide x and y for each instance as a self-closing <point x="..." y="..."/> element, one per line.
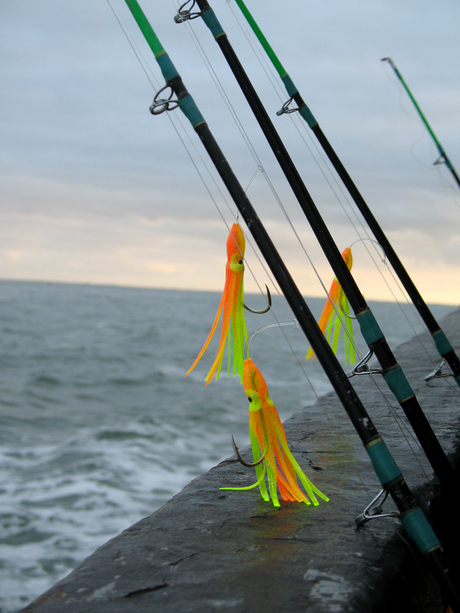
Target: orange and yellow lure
<point x="232" y="303"/>
<point x="329" y="319"/>
<point x="270" y="448"/>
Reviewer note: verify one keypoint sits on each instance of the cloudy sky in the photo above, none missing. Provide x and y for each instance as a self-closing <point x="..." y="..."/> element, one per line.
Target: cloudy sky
<point x="94" y="189"/>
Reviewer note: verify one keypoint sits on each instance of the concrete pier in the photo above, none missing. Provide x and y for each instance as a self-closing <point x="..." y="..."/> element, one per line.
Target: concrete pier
<point x="208" y="550"/>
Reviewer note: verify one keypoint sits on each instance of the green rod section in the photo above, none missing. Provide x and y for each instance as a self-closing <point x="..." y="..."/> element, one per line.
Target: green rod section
<point x="145" y="28"/>
<point x="440" y="148"/>
<point x="398" y="74"/>
<point x="287" y="81"/>
<point x="263" y="41"/>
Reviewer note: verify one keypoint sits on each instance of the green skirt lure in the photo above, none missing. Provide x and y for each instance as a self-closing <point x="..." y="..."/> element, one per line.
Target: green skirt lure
<point x="331" y="324"/>
<point x="270" y="448"/>
<point x="232" y="304"/>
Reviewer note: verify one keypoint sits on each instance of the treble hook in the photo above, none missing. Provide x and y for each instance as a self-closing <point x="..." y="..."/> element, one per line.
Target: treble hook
<point x="269" y="300"/>
<point x="243" y="462"/>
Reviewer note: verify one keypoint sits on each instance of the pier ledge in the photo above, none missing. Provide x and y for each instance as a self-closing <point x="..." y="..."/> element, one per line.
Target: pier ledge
<point x="208" y="550"/>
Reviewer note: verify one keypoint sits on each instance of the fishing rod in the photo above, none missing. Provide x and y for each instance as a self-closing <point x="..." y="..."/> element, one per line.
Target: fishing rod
<point x="443" y="345"/>
<point x="391" y="370"/>
<point x="442" y="154"/>
<point x="388" y="473"/>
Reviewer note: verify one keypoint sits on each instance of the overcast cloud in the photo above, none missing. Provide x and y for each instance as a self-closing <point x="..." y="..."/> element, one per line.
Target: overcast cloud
<point x="95" y="189"/>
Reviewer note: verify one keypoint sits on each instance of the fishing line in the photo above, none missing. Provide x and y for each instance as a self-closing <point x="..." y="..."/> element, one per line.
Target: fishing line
<point x="411" y="113"/>
<point x="177" y="118"/>
<point x="270" y="73"/>
<point x="172" y="118"/>
<point x="223" y="93"/>
<point x="442" y="343"/>
<point x="388" y="472"/>
<point x="257" y="172"/>
<point x="302" y="130"/>
<point x="202" y="178"/>
<point x="219" y="86"/>
<point x="260" y="169"/>
<point x="299" y="239"/>
<point x="388" y="270"/>
<point x="155" y="84"/>
<point x="277" y="324"/>
<point x="373" y="335"/>
<point x="252" y="149"/>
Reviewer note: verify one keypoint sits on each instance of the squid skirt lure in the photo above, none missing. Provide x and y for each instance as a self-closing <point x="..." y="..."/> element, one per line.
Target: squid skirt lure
<point x="232" y="304"/>
<point x="270" y="449"/>
<point x="330" y="321"/>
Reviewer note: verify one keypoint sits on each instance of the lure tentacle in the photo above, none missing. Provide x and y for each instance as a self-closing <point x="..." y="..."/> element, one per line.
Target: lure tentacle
<point x="211" y="334"/>
<point x="330" y="323"/>
<point x="247" y="487"/>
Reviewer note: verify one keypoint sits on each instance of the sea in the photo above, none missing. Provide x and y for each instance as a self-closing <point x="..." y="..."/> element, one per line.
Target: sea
<point x="99" y="426"/>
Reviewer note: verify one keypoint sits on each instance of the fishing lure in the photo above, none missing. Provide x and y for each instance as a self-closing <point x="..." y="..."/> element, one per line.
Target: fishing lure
<point x="270" y="449"/>
<point x="232" y="303"/>
<point x="330" y="319"/>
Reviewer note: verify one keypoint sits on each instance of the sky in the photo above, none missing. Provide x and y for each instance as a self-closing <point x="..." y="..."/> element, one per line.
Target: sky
<point x="94" y="189"/>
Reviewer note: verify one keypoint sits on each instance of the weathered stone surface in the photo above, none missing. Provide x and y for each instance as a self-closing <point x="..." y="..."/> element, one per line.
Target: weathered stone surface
<point x="208" y="550"/>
